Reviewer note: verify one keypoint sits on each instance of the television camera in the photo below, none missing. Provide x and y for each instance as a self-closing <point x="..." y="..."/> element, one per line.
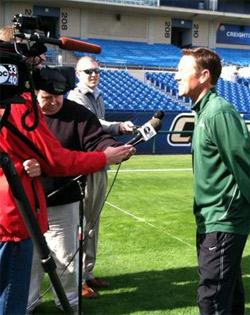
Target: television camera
<point x="30" y="34"/>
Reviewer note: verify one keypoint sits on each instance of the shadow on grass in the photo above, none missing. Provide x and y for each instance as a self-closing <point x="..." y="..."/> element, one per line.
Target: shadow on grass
<point x="147" y="292"/>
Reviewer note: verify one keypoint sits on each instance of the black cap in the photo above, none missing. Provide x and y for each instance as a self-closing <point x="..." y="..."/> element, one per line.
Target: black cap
<point x="56" y="81"/>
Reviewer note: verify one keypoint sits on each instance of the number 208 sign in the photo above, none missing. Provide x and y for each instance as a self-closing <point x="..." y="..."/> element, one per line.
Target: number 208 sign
<point x="8" y="74"/>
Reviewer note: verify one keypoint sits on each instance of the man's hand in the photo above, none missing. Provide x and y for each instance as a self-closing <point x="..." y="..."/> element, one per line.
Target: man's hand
<point x="126" y="127"/>
<point x="119" y="154"/>
<point x="32" y="167"/>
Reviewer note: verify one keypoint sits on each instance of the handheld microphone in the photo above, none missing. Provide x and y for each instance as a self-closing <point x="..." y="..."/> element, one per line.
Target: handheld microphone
<point x="160" y="114"/>
<point x="146" y="131"/>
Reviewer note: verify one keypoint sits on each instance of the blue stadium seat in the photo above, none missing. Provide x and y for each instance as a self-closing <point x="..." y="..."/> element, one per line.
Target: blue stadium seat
<point x="237" y="94"/>
<point x="127" y="53"/>
<point x="123" y="92"/>
<point x="240" y="57"/>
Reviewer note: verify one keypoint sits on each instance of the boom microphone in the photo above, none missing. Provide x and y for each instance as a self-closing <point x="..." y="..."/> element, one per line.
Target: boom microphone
<point x="63" y="42"/>
<point x="146" y="131"/>
<point x="78" y="45"/>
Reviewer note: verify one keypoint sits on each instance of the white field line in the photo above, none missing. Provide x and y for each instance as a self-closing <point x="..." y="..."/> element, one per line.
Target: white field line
<point x="153" y="170"/>
<point x="149" y="224"/>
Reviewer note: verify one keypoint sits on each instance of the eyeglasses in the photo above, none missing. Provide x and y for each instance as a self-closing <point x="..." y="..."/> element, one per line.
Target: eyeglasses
<point x="91" y="71"/>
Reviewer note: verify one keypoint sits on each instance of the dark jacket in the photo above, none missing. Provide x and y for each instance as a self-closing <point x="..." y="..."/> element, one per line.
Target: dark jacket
<point x="77" y="128"/>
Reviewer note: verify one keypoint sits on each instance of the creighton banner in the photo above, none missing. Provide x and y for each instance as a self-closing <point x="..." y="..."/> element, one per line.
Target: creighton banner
<point x="233" y="34"/>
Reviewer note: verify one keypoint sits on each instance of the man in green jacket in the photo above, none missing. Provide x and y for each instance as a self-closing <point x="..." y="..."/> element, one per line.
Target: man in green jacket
<point x="221" y="165"/>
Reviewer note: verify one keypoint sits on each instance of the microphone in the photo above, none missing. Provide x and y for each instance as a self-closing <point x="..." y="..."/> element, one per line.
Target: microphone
<point x="160" y="114"/>
<point x="146" y="131"/>
<point x="78" y="45"/>
<point x="63" y="42"/>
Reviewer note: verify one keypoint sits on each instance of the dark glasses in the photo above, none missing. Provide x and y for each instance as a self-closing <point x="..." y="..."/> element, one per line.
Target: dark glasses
<point x="91" y="71"/>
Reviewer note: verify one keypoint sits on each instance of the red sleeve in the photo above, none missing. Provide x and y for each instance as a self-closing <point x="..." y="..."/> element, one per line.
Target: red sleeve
<point x="57" y="161"/>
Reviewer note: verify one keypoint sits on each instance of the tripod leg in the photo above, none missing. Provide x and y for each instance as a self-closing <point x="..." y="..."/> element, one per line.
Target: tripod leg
<point x="81" y="243"/>
<point x="33" y="228"/>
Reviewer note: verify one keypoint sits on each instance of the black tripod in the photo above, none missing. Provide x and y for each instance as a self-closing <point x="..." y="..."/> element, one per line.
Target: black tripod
<point x="38" y="239"/>
<point x="82" y="249"/>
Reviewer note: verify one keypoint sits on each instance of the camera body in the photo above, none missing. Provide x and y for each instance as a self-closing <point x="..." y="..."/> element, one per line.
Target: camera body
<point x="15" y="72"/>
<point x="14" y="75"/>
<point x="29" y="24"/>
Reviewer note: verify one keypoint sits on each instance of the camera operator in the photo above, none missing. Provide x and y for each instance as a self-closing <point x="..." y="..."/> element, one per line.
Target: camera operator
<point x="7" y="33"/>
<point x="37" y="62"/>
<point x="15" y="244"/>
<point x="76" y="128"/>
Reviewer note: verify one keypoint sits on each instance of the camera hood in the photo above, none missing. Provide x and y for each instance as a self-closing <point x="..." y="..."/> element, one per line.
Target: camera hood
<point x="58" y="80"/>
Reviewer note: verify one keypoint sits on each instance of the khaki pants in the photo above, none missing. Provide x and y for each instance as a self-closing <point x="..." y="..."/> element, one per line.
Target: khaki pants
<point x="62" y="241"/>
<point x="95" y="193"/>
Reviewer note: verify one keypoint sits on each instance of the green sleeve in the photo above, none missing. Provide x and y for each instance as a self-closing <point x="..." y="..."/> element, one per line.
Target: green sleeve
<point x="231" y="137"/>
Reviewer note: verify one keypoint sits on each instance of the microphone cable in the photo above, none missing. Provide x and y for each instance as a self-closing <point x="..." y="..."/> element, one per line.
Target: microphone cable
<point x="92" y="224"/>
<point x="88" y="229"/>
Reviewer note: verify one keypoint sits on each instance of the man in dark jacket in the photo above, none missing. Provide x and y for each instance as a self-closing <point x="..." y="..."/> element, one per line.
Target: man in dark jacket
<point x="221" y="164"/>
<point x="78" y="129"/>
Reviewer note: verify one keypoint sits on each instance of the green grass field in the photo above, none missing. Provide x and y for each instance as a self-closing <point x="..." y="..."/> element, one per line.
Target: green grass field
<point x="147" y="242"/>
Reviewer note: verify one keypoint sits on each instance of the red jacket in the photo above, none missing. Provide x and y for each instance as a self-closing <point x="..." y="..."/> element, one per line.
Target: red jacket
<point x="58" y="162"/>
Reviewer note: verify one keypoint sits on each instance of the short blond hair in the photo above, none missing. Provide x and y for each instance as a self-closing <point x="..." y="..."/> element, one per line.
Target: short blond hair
<point x="83" y="59"/>
<point x="7" y="33"/>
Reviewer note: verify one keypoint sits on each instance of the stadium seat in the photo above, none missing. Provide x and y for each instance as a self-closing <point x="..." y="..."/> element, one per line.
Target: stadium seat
<point x="236" y="93"/>
<point x="128" y="53"/>
<point x="123" y="92"/>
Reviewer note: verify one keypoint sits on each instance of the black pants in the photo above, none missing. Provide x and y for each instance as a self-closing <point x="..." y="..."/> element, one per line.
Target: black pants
<point x="220" y="290"/>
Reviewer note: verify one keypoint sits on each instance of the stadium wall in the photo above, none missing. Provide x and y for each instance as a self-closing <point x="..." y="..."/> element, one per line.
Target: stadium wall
<point x="92" y="22"/>
<point x="123" y="23"/>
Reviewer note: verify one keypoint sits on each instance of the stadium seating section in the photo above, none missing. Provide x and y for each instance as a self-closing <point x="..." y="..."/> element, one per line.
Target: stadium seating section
<point x="123" y="92"/>
<point x="139" y="54"/>
<point x="238" y="57"/>
<point x="125" y="53"/>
